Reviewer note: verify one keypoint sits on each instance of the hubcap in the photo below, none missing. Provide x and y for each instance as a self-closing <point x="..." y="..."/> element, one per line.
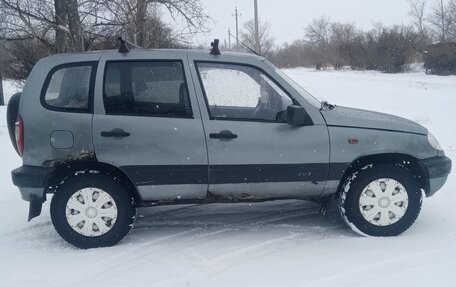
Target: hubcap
<point x="383" y="202"/>
<point x="91" y="212"/>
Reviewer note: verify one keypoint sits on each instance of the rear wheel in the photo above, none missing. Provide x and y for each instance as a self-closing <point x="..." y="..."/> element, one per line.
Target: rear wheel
<point x="381" y="200"/>
<point x="11" y="116"/>
<point x="92" y="210"/>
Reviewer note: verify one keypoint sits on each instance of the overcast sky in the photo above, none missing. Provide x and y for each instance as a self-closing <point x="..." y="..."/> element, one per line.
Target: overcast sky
<point x="288" y="18"/>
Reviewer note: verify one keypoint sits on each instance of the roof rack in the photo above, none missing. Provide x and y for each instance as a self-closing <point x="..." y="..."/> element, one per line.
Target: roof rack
<point x="124" y="47"/>
<point x="215" y="48"/>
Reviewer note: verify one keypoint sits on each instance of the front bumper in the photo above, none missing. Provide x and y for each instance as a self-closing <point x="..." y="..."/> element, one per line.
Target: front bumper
<point x="436" y="170"/>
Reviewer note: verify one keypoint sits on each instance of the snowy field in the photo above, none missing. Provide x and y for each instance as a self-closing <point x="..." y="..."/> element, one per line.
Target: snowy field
<point x="285" y="243"/>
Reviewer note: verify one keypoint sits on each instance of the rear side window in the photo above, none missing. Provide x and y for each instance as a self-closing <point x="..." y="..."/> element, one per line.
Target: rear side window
<point x="69" y="88"/>
<point x="149" y="88"/>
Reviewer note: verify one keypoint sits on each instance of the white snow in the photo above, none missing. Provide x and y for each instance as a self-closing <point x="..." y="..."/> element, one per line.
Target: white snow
<point x="284" y="243"/>
<point x="10" y="88"/>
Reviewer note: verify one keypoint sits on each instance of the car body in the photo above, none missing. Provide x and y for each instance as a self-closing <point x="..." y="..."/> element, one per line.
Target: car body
<point x="185" y="126"/>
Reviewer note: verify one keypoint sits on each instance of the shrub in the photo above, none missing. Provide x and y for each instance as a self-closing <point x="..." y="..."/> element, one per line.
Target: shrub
<point x="440" y="59"/>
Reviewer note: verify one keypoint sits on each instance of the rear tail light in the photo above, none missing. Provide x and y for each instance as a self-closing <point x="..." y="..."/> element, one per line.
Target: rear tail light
<point x="19" y="134"/>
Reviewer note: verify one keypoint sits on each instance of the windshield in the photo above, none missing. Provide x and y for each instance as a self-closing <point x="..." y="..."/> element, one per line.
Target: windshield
<point x="306" y="95"/>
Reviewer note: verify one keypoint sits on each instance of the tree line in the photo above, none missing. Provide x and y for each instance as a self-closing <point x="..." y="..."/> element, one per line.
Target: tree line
<point x="31" y="30"/>
<point x="431" y="38"/>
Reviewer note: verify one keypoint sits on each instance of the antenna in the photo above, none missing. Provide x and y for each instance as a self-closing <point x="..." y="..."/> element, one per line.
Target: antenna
<point x="250" y="49"/>
<point x="215" y="48"/>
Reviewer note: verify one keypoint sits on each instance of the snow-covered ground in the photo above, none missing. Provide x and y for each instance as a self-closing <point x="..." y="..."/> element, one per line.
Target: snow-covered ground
<point x="283" y="243"/>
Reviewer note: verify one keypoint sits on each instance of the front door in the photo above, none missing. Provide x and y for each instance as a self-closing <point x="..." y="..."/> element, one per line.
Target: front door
<point x="253" y="153"/>
<point x="149" y="126"/>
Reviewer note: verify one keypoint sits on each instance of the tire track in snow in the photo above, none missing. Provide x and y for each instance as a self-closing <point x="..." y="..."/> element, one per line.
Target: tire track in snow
<point x="383" y="268"/>
<point x="33" y="227"/>
<point x="184" y="241"/>
<point x="237" y="223"/>
<point x="138" y="249"/>
<point x="144" y="253"/>
<point x="211" y="268"/>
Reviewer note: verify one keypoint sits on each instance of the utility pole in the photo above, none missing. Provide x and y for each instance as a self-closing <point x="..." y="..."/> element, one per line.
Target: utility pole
<point x="236" y="15"/>
<point x="229" y="39"/>
<point x="257" y="32"/>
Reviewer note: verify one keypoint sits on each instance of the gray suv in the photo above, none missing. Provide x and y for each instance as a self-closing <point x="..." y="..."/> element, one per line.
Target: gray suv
<point x="107" y="132"/>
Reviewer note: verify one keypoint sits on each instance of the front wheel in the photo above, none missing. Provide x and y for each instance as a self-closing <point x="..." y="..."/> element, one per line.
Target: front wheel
<point x="380" y="200"/>
<point x="92" y="210"/>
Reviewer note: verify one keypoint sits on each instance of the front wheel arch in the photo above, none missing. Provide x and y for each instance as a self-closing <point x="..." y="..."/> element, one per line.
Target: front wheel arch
<point x="404" y="160"/>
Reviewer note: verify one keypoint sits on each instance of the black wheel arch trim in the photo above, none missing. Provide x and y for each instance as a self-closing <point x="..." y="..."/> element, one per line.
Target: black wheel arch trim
<point x="408" y="161"/>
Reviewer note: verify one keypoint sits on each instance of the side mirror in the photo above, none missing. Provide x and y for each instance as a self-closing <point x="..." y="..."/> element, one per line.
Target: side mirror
<point x="298" y="116"/>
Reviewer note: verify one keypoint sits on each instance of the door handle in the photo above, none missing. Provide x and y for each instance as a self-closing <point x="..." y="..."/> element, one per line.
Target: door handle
<point x="224" y="136"/>
<point x="116" y="134"/>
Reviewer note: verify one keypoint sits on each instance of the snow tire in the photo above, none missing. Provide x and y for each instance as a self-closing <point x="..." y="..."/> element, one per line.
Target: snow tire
<point x="123" y="202"/>
<point x="350" y="200"/>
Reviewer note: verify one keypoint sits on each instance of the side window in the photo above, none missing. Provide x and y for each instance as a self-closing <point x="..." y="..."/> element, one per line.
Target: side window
<point x="242" y="92"/>
<point x="152" y="88"/>
<point x="68" y="88"/>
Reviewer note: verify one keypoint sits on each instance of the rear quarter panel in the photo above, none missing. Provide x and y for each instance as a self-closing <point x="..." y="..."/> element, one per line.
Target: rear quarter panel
<point x="39" y="123"/>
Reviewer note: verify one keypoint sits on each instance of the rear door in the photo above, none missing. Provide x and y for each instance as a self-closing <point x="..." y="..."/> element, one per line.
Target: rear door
<point x="148" y="124"/>
<point x="253" y="153"/>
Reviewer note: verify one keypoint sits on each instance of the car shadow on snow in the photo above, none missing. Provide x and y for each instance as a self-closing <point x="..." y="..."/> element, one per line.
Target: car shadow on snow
<point x="287" y="216"/>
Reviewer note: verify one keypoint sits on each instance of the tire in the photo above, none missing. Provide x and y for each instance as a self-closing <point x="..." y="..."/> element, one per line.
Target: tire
<point x="96" y="199"/>
<point x="11" y="115"/>
<point x="380" y="200"/>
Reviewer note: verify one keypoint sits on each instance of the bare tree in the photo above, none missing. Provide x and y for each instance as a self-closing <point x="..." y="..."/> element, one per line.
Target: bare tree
<point x="37" y="19"/>
<point x="75" y="34"/>
<point x="266" y="40"/>
<point x="2" y="100"/>
<point x="452" y="7"/>
<point x="132" y="16"/>
<point x="318" y="34"/>
<point x="38" y="28"/>
<point x="61" y="20"/>
<point x="341" y="38"/>
<point x="417" y="10"/>
<point x="72" y="25"/>
<point x="319" y="31"/>
<point x="441" y="21"/>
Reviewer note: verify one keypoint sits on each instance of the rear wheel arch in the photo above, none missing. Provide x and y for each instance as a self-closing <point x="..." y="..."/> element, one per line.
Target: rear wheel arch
<point x="68" y="170"/>
<point x="407" y="161"/>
